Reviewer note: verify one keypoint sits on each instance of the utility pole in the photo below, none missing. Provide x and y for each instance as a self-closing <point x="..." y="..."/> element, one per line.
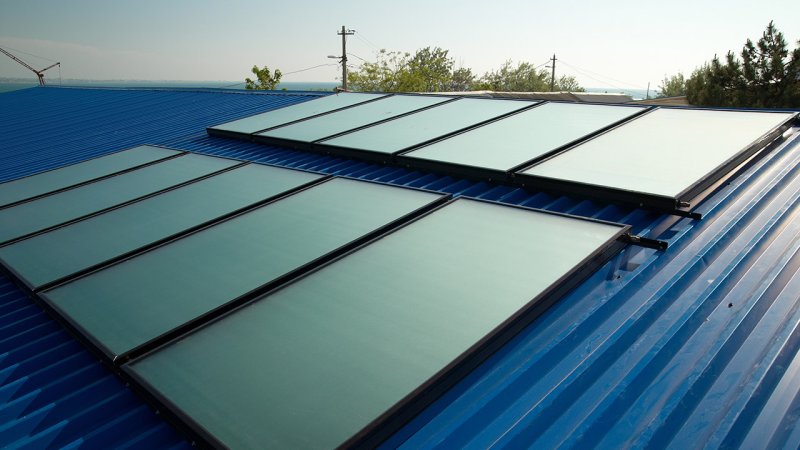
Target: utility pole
<point x="553" y="75"/>
<point x="344" y="33"/>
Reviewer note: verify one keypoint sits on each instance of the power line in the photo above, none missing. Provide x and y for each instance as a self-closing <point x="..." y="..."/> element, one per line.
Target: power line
<point x="29" y="54"/>
<point x="604" y="82"/>
<point x="353" y="54"/>
<point x="632" y="85"/>
<point x="284" y="73"/>
<point x="367" y="41"/>
<point x="308" y="68"/>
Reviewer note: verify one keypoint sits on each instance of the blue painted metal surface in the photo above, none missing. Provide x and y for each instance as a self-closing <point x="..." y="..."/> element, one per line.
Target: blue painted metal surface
<point x="694" y="346"/>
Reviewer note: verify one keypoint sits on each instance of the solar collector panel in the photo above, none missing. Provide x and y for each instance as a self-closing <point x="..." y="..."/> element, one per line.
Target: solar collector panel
<point x="415" y="129"/>
<point x="287" y="114"/>
<point x="320" y="127"/>
<point x="64" y="177"/>
<point x="53" y="210"/>
<point x="128" y="304"/>
<point x="506" y="143"/>
<point x="662" y="153"/>
<point x="66" y="250"/>
<point x="314" y="363"/>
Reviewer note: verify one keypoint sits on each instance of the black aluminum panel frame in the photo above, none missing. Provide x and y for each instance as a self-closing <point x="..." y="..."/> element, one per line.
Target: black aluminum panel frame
<point x="382" y="427"/>
<point x="268" y="285"/>
<point x="72" y="186"/>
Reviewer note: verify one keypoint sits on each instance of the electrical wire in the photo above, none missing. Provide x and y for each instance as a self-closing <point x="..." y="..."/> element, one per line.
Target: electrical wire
<point x="353" y="54"/>
<point x="603" y="82"/>
<point x="29" y="54"/>
<point x="584" y="71"/>
<point x="309" y="68"/>
<point x="284" y="73"/>
<point x="366" y="41"/>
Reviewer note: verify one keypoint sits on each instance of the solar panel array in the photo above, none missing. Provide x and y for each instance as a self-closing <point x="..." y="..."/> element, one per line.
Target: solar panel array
<point x="652" y="157"/>
<point x="283" y="116"/>
<point x="270" y="306"/>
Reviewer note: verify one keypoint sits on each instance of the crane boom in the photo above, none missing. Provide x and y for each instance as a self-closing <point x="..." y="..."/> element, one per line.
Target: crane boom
<point x="39" y="73"/>
<point x="50" y="66"/>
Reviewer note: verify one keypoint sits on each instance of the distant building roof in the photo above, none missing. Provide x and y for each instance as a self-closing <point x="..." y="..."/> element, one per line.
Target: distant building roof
<point x="695" y="345"/>
<point x="665" y="101"/>
<point x="585" y="97"/>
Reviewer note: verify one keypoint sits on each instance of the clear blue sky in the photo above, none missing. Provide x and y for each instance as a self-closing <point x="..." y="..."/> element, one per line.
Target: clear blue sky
<point x="605" y="44"/>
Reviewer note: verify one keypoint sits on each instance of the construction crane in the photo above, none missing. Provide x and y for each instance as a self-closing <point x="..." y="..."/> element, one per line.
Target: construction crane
<point x="39" y="73"/>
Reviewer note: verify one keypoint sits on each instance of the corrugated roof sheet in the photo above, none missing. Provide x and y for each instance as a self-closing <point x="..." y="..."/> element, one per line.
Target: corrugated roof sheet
<point x="693" y="346"/>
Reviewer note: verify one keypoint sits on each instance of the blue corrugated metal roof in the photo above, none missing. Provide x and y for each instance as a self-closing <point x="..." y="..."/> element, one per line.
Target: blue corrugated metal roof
<point x="693" y="346"/>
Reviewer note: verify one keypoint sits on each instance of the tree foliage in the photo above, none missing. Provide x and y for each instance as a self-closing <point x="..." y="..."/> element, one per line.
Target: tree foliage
<point x="463" y="80"/>
<point x="522" y="77"/>
<point x="568" y="83"/>
<point x="766" y="76"/>
<point x="265" y="80"/>
<point x="525" y="77"/>
<point x="428" y="70"/>
<point x="433" y="70"/>
<point x="674" y="86"/>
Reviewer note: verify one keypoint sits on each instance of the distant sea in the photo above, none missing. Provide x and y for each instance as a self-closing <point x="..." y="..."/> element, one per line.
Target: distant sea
<point x="637" y="94"/>
<point x="12" y="85"/>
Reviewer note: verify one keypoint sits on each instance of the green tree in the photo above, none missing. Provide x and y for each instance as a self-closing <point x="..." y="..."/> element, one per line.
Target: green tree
<point x="568" y="83"/>
<point x="766" y="76"/>
<point x="265" y="80"/>
<point x="520" y="78"/>
<point x="462" y="80"/>
<point x="525" y="77"/>
<point x="381" y="75"/>
<point x="428" y="70"/>
<point x="674" y="86"/>
<point x="431" y="69"/>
